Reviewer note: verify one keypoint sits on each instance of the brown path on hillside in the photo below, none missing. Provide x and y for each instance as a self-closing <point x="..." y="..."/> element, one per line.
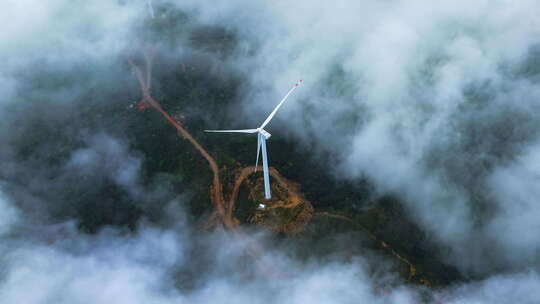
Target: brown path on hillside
<point x="245" y="173"/>
<point x="217" y="189"/>
<point x="383" y="244"/>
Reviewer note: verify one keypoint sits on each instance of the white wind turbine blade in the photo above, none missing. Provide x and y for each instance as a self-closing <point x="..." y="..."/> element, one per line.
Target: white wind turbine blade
<point x="258" y="150"/>
<point x="267" y="194"/>
<point x="279" y="105"/>
<point x="233" y="131"/>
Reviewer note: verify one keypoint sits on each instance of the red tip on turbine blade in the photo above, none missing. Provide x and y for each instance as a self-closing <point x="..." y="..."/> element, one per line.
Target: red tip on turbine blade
<point x="141" y="106"/>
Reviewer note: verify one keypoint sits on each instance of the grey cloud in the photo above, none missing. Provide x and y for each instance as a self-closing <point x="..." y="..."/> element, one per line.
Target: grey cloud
<point x="107" y="156"/>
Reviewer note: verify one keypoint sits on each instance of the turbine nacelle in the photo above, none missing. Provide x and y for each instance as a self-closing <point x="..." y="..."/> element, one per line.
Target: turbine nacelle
<point x="264" y="133"/>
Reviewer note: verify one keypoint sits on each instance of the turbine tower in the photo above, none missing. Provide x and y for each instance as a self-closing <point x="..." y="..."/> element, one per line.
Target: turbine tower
<point x="262" y="136"/>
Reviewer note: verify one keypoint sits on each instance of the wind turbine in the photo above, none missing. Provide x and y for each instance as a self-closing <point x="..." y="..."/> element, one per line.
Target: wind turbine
<point x="262" y="136"/>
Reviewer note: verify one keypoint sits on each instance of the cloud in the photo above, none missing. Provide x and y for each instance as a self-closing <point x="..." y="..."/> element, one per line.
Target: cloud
<point x="518" y="288"/>
<point x="515" y="189"/>
<point x="176" y="265"/>
<point x="426" y="100"/>
<point x="108" y="156"/>
<point x="92" y="269"/>
<point x="10" y="215"/>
